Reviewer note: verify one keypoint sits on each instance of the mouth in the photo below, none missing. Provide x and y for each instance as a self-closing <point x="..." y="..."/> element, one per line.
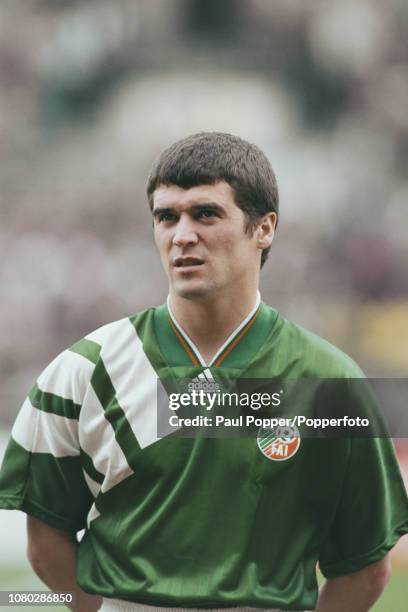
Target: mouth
<point x="187" y="263"/>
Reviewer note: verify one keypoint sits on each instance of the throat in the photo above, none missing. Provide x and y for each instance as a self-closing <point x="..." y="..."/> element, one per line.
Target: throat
<point x="208" y="352"/>
<point x="208" y="340"/>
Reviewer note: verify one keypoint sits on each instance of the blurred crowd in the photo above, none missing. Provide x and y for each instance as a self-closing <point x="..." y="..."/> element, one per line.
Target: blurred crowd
<point x="92" y="90"/>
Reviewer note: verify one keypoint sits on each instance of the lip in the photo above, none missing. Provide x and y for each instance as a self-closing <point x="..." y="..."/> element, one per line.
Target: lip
<point x="187" y="263"/>
<point x="188" y="269"/>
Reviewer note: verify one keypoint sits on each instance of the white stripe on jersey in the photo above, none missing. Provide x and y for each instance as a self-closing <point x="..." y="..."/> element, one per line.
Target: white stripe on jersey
<point x="67" y="376"/>
<point x="43" y="432"/>
<point x="92" y="514"/>
<point x="104" y="333"/>
<point x="134" y="380"/>
<point x="97" y="439"/>
<point x="93" y="486"/>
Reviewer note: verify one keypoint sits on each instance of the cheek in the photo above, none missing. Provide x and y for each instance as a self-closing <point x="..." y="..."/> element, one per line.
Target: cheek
<point x="240" y="251"/>
<point x="227" y="241"/>
<point x="233" y="244"/>
<point x="230" y="253"/>
<point x="161" y="242"/>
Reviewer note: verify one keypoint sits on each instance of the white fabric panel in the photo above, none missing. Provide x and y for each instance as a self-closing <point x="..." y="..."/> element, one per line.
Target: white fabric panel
<point x="43" y="432"/>
<point x="102" y="334"/>
<point x="93" y="486"/>
<point x="92" y="514"/>
<point x="97" y="439"/>
<point x="67" y="376"/>
<point x="134" y="380"/>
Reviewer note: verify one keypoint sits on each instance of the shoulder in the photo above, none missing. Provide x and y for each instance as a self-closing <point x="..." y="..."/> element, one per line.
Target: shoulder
<point x="116" y="333"/>
<point x="91" y="345"/>
<point x="72" y="369"/>
<point x="318" y="356"/>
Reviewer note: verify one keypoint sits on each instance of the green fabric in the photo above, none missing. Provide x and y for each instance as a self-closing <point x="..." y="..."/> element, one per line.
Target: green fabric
<point x="89" y="467"/>
<point x="357" y="536"/>
<point x="106" y="394"/>
<point x="51" y="489"/>
<point x="49" y="402"/>
<point x="212" y="522"/>
<point x="87" y="348"/>
<point x="175" y="355"/>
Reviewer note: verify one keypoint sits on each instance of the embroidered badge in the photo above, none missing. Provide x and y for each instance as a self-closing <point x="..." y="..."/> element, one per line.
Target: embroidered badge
<point x="280" y="443"/>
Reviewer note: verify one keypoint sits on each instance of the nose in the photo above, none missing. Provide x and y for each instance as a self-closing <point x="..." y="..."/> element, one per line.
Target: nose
<point x="185" y="234"/>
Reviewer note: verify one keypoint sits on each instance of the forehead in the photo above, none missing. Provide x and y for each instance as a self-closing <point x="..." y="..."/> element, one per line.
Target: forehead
<point x="174" y="196"/>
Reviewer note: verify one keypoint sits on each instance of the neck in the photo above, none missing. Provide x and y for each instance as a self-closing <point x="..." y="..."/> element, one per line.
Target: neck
<point x="210" y="322"/>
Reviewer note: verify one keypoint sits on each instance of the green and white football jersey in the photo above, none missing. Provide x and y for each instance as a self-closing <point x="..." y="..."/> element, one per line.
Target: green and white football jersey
<point x="196" y="522"/>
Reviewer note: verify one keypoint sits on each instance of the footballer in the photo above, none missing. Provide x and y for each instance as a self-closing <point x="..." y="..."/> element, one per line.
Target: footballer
<point x="200" y="523"/>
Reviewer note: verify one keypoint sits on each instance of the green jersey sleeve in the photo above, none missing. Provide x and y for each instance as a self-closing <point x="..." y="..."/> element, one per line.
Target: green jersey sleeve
<point x="42" y="471"/>
<point x="372" y="513"/>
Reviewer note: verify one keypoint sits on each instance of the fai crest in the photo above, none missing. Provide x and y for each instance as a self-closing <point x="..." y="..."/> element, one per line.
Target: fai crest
<point x="280" y="443"/>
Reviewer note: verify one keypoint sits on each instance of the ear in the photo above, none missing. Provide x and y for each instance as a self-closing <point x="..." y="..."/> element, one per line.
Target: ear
<point x="266" y="230"/>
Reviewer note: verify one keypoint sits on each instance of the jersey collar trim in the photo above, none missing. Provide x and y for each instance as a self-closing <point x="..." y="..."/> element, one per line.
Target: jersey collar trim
<point x="224" y="350"/>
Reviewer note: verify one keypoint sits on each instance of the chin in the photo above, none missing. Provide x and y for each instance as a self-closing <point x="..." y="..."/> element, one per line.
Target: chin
<point x="193" y="291"/>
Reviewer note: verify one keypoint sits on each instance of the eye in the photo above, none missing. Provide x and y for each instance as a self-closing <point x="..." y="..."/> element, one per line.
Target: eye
<point x="206" y="213"/>
<point x="165" y="217"/>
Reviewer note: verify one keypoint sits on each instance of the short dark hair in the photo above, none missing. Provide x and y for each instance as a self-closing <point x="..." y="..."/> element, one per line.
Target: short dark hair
<point x="209" y="157"/>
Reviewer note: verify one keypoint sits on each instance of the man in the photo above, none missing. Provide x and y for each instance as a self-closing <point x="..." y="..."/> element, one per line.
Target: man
<point x="199" y="522"/>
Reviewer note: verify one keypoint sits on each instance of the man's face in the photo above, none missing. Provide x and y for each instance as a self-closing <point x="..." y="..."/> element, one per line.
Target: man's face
<point x="200" y="234"/>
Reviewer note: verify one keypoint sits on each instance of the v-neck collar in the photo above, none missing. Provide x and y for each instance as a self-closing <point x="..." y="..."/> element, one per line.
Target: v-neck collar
<point x="237" y="352"/>
<point x="227" y="346"/>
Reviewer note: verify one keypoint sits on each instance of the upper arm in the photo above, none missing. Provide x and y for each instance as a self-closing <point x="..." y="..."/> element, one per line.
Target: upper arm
<point x="40" y="534"/>
<point x="375" y="574"/>
<point x="38" y="531"/>
<point x="357" y="591"/>
<point x="43" y="541"/>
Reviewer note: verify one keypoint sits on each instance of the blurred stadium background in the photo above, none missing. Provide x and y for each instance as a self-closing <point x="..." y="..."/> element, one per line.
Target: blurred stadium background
<point x="90" y="93"/>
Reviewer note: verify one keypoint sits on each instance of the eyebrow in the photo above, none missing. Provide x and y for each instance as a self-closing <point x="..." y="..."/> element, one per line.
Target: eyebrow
<point x="204" y="205"/>
<point x="159" y="211"/>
